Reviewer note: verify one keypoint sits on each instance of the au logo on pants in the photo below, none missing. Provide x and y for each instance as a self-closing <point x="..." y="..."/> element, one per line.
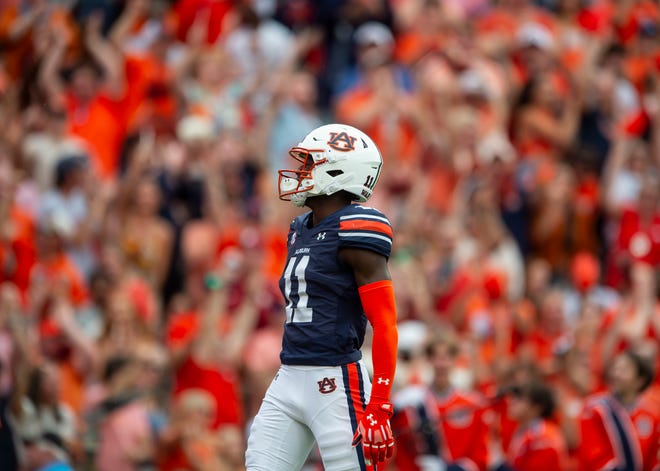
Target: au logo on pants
<point x="327" y="385"/>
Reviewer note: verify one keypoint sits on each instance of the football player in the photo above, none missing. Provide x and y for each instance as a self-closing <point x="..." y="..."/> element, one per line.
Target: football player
<point x="336" y="278"/>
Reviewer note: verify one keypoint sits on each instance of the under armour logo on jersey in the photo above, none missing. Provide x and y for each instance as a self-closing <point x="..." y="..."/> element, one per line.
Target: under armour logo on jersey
<point x="385" y="381"/>
<point x="320" y="236"/>
<point x="371" y="420"/>
<point x="327" y="385"/>
<point x="293" y="238"/>
<point x="341" y="141"/>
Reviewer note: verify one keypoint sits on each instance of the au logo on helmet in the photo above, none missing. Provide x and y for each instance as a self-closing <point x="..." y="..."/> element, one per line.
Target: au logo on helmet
<point x="341" y="141"/>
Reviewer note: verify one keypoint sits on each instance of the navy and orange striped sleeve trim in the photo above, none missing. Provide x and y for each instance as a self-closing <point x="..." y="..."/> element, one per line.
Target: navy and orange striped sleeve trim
<point x="367" y="231"/>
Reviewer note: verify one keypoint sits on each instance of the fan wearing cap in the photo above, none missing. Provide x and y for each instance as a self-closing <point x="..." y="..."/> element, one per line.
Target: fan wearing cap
<point x="377" y="97"/>
<point x="373" y="46"/>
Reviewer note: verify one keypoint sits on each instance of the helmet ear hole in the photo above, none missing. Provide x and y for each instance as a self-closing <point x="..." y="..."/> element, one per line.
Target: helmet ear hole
<point x="334" y="173"/>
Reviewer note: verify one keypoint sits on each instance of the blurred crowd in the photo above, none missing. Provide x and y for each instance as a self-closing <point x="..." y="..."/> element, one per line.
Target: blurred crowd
<point x="141" y="237"/>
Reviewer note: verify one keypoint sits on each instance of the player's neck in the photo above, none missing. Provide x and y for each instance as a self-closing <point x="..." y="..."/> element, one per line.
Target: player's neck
<point x="323" y="206"/>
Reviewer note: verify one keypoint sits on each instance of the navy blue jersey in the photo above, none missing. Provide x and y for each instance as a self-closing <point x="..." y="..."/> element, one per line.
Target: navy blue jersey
<point x="325" y="322"/>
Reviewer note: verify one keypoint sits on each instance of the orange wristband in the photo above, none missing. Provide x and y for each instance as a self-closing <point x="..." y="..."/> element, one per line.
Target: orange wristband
<point x="380" y="308"/>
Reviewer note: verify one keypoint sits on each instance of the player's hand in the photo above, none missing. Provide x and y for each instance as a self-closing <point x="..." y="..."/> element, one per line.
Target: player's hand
<point x="375" y="433"/>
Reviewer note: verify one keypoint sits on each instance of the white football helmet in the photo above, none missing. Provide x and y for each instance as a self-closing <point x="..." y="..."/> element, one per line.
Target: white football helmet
<point x="333" y="157"/>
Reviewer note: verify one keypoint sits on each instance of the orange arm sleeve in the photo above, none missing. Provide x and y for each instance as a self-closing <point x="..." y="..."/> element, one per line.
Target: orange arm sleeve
<point x="380" y="308"/>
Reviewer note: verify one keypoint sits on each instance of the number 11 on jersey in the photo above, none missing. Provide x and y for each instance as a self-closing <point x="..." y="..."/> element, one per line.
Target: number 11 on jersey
<point x="296" y="308"/>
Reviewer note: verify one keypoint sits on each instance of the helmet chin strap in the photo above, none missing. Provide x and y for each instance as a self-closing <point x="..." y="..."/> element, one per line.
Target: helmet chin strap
<point x="299" y="199"/>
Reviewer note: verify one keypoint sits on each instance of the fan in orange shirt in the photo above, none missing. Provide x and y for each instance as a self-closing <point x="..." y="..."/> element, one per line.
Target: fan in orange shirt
<point x="620" y="430"/>
<point x="537" y="443"/>
<point x="577" y="379"/>
<point x="543" y="341"/>
<point x="627" y="18"/>
<point x="91" y="95"/>
<point x="151" y="98"/>
<point x="420" y="28"/>
<point x="440" y="425"/>
<point x="206" y="342"/>
<point x="97" y="119"/>
<point x="56" y="289"/>
<point x="17" y="232"/>
<point x="642" y="52"/>
<point x="54" y="268"/>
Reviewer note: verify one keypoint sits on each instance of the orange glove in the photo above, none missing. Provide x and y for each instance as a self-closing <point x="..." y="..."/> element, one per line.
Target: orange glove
<point x="375" y="433"/>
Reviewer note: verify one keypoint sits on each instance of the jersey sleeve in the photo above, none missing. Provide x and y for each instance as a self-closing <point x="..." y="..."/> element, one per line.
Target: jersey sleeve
<point x="366" y="228"/>
<point x="595" y="451"/>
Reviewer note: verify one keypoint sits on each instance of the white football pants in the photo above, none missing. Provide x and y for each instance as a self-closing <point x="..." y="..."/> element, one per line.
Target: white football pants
<point x="304" y="404"/>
